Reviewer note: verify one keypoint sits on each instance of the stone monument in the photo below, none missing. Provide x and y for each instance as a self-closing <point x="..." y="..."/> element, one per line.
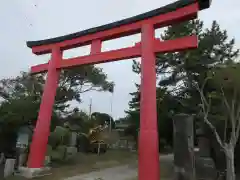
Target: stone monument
<point x="9" y="167"/>
<point x="184" y="162"/>
<point x="205" y="167"/>
<point x="22" y="144"/>
<point x="18" y="157"/>
<point x="72" y="147"/>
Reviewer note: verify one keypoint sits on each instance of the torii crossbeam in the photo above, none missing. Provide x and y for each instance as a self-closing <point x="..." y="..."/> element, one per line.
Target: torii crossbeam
<point x="146" y="49"/>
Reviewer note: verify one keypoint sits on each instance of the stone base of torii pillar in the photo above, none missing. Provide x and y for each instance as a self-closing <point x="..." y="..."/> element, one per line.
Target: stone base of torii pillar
<point x="33" y="172"/>
<point x="30" y="173"/>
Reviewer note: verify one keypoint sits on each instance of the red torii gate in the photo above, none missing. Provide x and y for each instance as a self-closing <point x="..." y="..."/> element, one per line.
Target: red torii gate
<point x="145" y="24"/>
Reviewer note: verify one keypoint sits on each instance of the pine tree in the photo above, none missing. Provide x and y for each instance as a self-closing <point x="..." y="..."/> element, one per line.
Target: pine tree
<point x="179" y="72"/>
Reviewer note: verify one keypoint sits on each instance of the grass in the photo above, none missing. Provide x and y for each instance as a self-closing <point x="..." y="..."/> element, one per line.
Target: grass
<point x="87" y="163"/>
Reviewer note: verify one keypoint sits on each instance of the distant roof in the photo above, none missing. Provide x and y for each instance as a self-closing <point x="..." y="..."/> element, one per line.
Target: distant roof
<point x="203" y="4"/>
<point x="122" y="125"/>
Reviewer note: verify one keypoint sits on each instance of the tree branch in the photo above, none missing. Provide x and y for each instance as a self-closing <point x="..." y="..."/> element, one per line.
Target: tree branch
<point x="85" y="90"/>
<point x="205" y="117"/>
<point x="231" y="116"/>
<point x="237" y="132"/>
<point x="237" y="117"/>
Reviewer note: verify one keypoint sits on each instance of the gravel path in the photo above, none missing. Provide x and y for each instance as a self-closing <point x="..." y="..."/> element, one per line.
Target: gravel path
<point x="117" y="173"/>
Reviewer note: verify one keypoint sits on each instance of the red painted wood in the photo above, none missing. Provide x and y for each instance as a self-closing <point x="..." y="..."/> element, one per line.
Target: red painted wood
<point x="42" y="130"/>
<point x="93" y="59"/>
<point x="108" y="56"/>
<point x="148" y="167"/>
<point x="185" y="13"/>
<point x="39" y="68"/>
<point x="176" y="45"/>
<point x="180" y="44"/>
<point x="96" y="46"/>
<point x="180" y="15"/>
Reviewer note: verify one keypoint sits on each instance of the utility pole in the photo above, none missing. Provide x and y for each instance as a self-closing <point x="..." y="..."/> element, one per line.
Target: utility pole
<point x="111" y="113"/>
<point x="90" y="109"/>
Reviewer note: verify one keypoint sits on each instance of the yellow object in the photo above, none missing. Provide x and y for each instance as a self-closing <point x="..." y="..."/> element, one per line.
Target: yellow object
<point x="95" y="134"/>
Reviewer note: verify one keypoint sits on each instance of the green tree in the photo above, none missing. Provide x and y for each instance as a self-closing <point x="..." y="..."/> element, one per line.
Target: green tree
<point x="78" y="121"/>
<point x="74" y="82"/>
<point x="165" y="101"/>
<point x="190" y="67"/>
<point x="226" y="97"/>
<point x="24" y="92"/>
<point x="179" y="72"/>
<point x="102" y="119"/>
<point x="21" y="96"/>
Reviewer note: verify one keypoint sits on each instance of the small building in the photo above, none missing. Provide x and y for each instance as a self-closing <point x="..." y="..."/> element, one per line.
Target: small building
<point x="123" y="141"/>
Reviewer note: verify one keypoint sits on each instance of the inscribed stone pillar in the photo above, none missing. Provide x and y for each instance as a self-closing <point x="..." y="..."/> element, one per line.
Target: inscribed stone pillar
<point x="184" y="162"/>
<point x="22" y="144"/>
<point x="73" y="139"/>
<point x="203" y="143"/>
<point x="72" y="148"/>
<point x="205" y="168"/>
<point x="9" y="167"/>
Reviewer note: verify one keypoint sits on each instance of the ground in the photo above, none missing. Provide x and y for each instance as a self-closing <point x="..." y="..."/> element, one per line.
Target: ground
<point x="166" y="168"/>
<point x="122" y="165"/>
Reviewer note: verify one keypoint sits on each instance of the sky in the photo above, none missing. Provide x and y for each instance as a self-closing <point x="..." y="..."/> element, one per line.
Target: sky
<point x="24" y="20"/>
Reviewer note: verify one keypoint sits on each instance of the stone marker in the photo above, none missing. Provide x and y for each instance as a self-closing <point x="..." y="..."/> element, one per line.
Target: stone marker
<point x="72" y="148"/>
<point x="9" y="167"/>
<point x="73" y="139"/>
<point x="205" y="167"/>
<point x="184" y="162"/>
<point x="22" y="145"/>
<point x="203" y="142"/>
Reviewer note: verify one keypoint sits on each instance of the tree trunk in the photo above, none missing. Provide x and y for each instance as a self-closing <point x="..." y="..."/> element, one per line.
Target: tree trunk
<point x="229" y="151"/>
